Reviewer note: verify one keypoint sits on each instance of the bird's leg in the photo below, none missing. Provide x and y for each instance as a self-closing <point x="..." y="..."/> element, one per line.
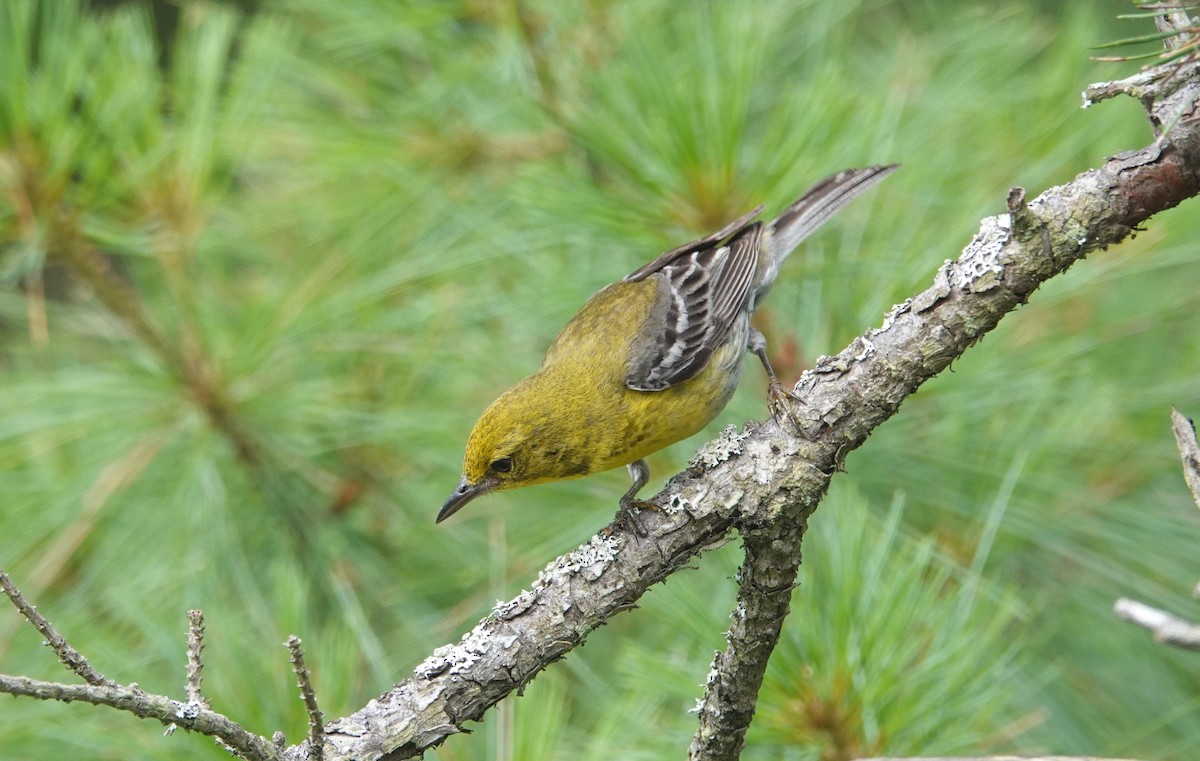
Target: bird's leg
<point x="779" y="399"/>
<point x="639" y="472"/>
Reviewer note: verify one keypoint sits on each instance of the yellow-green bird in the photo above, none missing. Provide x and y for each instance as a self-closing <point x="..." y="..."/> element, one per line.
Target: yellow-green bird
<point x="649" y="360"/>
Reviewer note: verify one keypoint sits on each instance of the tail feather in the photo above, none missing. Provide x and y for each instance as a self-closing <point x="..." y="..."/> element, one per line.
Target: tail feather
<point x="812" y="210"/>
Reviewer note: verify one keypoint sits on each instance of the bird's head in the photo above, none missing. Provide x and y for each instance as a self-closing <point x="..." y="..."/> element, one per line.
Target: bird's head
<point x="516" y="442"/>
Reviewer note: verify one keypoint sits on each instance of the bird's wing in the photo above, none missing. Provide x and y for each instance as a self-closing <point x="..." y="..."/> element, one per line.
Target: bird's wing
<point x="703" y="287"/>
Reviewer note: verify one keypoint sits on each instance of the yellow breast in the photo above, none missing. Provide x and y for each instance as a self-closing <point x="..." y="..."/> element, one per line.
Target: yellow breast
<point x="587" y="364"/>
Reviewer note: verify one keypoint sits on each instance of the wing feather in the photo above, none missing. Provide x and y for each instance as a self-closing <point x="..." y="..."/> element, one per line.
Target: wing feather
<point x="703" y="288"/>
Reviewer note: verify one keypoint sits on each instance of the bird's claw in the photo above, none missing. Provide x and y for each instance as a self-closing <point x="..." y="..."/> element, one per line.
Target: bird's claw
<point x="633" y="504"/>
<point x="781" y="403"/>
<point x="627" y="514"/>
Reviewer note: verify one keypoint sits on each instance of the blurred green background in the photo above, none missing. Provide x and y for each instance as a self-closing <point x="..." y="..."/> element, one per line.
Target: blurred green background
<point x="263" y="263"/>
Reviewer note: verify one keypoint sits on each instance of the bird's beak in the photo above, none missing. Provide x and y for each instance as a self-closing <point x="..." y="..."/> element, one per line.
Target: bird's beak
<point x="465" y="492"/>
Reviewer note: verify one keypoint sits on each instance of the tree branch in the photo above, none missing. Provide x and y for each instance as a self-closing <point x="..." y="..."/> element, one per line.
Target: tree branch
<point x="765" y="582"/>
<point x="147" y="706"/>
<point x="316" y="720"/>
<point x="768" y="477"/>
<point x="193" y="715"/>
<point x="70" y="657"/>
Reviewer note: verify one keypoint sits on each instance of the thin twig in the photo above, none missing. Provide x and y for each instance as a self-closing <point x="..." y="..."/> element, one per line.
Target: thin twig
<point x="70" y="657"/>
<point x="1189" y="451"/>
<point x="1166" y="628"/>
<point x="316" y="722"/>
<point x="195" y="661"/>
<point x="1145" y="86"/>
<point x="147" y="706"/>
<point x="192" y="715"/>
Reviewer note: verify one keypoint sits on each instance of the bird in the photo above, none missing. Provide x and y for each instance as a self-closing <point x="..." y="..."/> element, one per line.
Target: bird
<point x="648" y="360"/>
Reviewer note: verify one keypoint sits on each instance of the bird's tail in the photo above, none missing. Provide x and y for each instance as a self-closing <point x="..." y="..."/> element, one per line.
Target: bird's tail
<point x="809" y="212"/>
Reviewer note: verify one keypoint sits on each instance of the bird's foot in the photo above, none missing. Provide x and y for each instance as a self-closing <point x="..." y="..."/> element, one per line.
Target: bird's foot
<point x="781" y="403"/>
<point x="630" y="504"/>
<point x="627" y="514"/>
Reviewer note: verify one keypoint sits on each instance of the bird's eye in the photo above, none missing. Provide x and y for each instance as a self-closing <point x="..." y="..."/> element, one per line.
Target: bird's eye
<point x="503" y="465"/>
